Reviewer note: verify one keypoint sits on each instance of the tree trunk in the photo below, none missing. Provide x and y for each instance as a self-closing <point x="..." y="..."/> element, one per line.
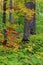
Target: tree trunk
<point x="29" y="26"/>
<point x="31" y="6"/>
<point x="10" y="14"/>
<point x="4" y="22"/>
<point x="26" y="30"/>
<point x="33" y="26"/>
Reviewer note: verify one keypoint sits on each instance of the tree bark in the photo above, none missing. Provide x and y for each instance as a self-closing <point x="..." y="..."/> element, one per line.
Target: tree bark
<point x="26" y="30"/>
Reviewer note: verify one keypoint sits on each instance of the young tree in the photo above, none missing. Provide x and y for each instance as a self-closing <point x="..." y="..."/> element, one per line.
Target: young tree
<point x="4" y="22"/>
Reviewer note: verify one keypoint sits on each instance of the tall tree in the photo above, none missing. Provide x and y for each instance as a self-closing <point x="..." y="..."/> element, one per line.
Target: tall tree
<point x="26" y="28"/>
<point x="31" y="5"/>
<point x="4" y="22"/>
<point x="29" y="25"/>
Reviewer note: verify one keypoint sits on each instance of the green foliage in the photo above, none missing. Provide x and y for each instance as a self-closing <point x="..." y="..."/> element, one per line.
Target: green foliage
<point x="31" y="52"/>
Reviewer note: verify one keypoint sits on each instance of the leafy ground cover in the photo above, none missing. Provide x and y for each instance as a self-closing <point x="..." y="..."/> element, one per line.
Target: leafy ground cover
<point x="30" y="53"/>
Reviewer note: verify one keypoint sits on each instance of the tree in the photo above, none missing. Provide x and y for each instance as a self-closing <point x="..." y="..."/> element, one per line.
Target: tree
<point x="32" y="5"/>
<point x="4" y="22"/>
<point x="26" y="30"/>
<point x="10" y="13"/>
<point x="29" y="25"/>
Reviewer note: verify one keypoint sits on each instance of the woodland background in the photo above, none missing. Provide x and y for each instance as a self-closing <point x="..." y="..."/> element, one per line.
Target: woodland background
<point x="13" y="49"/>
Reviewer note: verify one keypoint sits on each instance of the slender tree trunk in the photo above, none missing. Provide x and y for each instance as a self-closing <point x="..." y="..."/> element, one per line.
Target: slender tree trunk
<point x="31" y="6"/>
<point x="10" y="14"/>
<point x="4" y="22"/>
<point x="26" y="30"/>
